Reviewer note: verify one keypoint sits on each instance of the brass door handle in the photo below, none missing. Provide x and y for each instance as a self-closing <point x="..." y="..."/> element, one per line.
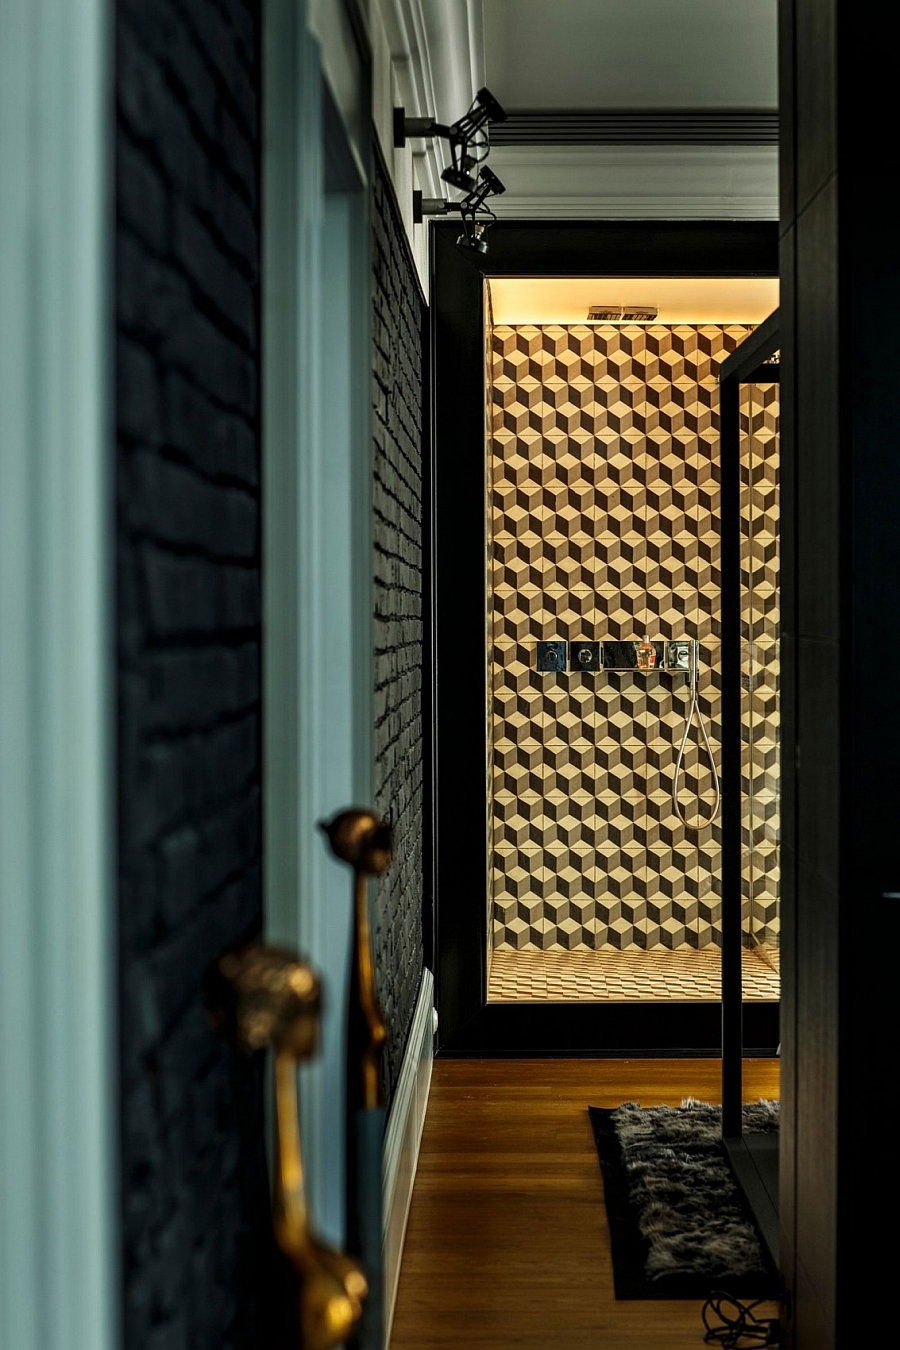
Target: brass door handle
<point x="265" y="997"/>
<point x="362" y="839"/>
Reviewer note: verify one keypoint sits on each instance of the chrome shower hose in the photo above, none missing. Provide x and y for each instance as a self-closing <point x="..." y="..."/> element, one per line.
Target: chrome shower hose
<point x="695" y="708"/>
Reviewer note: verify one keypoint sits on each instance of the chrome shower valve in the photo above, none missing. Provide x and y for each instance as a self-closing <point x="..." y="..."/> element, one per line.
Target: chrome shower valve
<point x="585" y="656"/>
<point x="678" y="655"/>
<point x="551" y="656"/>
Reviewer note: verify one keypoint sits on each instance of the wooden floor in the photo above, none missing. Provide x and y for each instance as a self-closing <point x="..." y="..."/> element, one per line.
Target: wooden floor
<point x="507" y="1244"/>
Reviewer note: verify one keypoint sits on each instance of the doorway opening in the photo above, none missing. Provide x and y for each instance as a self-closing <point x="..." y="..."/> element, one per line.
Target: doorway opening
<point x="578" y="526"/>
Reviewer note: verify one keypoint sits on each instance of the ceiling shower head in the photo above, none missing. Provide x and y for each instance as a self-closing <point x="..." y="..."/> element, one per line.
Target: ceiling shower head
<point x="622" y="313"/>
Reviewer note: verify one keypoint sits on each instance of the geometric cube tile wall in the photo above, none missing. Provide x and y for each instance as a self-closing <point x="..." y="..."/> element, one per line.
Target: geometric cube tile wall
<point x="603" y="484"/>
<point x="759" y="520"/>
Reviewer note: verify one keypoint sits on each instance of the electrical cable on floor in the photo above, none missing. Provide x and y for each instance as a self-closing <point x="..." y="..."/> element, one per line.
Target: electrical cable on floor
<point x="737" y="1323"/>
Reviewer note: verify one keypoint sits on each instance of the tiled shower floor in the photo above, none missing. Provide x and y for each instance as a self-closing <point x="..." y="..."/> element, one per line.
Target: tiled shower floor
<point x="611" y="976"/>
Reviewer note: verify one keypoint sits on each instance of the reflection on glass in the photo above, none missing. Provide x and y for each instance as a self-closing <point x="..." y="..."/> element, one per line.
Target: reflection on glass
<point x="761" y="719"/>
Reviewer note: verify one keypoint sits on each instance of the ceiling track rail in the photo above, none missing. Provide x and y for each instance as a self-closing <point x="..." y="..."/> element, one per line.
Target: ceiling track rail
<point x="638" y="127"/>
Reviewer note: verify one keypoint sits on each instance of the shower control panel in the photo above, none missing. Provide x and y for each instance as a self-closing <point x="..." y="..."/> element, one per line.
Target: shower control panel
<point x="646" y="656"/>
<point x="551" y="656"/>
<point x="679" y="655"/>
<point x="585" y="656"/>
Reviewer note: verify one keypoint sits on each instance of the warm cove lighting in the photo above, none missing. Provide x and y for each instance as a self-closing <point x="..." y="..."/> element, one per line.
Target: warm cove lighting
<point x="543" y="300"/>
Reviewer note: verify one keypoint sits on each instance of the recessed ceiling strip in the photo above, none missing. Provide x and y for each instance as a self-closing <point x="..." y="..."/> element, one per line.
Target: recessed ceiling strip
<point x="638" y="127"/>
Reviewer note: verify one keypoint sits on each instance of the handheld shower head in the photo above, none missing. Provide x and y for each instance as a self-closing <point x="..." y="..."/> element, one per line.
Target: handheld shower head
<point x="694" y="707"/>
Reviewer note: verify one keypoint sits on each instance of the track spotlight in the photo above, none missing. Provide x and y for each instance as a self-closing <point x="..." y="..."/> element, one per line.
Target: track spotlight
<point x="469" y="141"/>
<point x="476" y="214"/>
<point x="473" y="236"/>
<point x="468" y="137"/>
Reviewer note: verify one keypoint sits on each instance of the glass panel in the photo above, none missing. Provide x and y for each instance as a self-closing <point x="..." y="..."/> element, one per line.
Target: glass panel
<point x="761" y="719"/>
<point x="602" y="522"/>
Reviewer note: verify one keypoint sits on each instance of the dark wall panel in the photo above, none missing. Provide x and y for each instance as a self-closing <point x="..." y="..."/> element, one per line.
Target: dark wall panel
<point x="840" y="364"/>
<point x="813" y="544"/>
<point x="397" y="323"/>
<point x="187" y="141"/>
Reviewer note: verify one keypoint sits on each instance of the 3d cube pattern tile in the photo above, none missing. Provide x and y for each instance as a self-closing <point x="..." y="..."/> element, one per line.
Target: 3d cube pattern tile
<point x="603" y="522"/>
<point x="633" y="976"/>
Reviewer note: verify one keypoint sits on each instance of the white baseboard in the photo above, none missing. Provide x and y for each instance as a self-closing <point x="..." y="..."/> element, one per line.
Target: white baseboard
<point x="402" y="1139"/>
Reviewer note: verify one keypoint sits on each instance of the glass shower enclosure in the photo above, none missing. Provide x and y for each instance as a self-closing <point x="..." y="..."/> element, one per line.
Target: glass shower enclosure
<point x="749" y="387"/>
<point x="605" y="522"/>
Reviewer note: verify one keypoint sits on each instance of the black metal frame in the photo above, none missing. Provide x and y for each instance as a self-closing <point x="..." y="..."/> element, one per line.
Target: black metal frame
<point x="754" y="1159"/>
<point x="468" y="1025"/>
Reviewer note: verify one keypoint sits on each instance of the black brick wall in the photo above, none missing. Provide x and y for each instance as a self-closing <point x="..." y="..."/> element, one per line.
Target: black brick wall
<point x="398" y="314"/>
<point x="194" y="1190"/>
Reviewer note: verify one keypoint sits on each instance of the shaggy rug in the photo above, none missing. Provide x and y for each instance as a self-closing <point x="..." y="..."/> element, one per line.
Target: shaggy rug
<point x="679" y="1224"/>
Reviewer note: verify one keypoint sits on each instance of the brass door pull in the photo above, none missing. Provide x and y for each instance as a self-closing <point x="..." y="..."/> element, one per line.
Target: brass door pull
<point x="262" y="997"/>
<point x="364" y="840"/>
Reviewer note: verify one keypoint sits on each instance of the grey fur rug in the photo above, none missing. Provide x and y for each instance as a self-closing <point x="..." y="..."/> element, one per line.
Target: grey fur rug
<point x="679" y="1224"/>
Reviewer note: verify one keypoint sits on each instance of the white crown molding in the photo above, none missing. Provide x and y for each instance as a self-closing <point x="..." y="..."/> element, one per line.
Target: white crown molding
<point x="638" y="181"/>
<point x="663" y="208"/>
<point x="437" y="52"/>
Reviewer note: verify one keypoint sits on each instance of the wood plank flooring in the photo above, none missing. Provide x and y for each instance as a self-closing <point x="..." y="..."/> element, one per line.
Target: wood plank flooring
<point x="507" y="1244"/>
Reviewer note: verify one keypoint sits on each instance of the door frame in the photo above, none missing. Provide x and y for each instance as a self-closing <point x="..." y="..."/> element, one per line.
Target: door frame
<point x="468" y="1024"/>
<point x="318" y="646"/>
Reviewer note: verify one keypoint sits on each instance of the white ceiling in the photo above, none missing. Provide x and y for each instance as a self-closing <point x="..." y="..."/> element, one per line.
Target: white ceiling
<point x="545" y="54"/>
<point x="633" y="54"/>
<point x="542" y="300"/>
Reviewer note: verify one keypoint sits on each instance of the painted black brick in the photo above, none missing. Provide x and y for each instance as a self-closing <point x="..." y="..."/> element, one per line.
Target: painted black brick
<point x="397" y="360"/>
<point x="194" y="1191"/>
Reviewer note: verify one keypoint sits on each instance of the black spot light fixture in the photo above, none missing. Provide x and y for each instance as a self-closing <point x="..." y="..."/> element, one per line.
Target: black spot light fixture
<point x="476" y="214"/>
<point x="469" y="142"/>
<point x="468" y="137"/>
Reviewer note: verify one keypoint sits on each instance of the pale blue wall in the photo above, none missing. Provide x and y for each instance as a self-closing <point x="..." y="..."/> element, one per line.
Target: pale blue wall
<point x="58" y="1285"/>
